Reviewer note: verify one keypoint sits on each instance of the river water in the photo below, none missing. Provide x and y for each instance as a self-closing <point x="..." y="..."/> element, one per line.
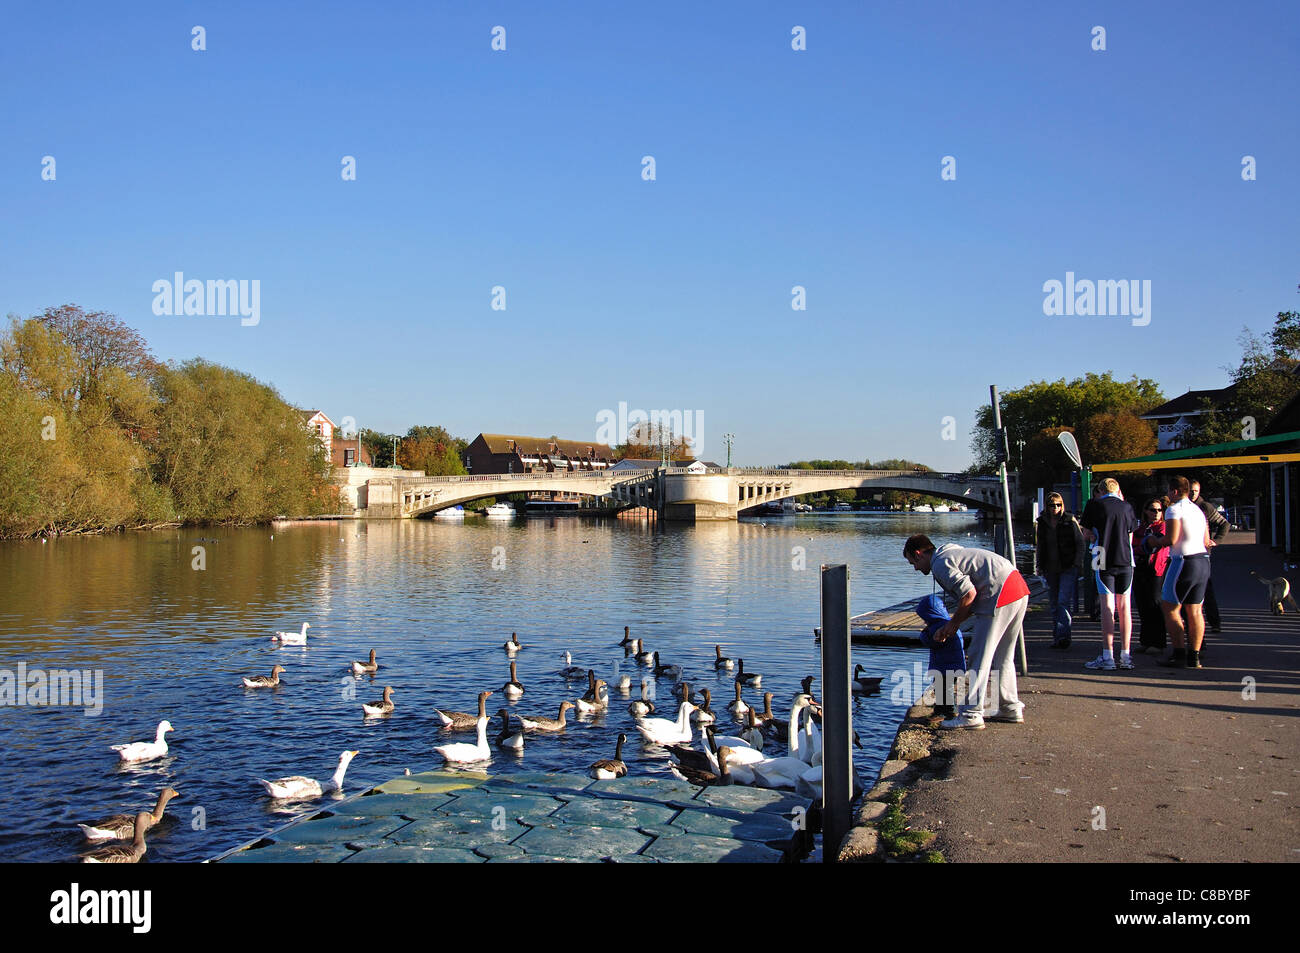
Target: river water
<point x="436" y="600"/>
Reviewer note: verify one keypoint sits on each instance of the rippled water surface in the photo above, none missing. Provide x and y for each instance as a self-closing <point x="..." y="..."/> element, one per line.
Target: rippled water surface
<point x="436" y="600"/>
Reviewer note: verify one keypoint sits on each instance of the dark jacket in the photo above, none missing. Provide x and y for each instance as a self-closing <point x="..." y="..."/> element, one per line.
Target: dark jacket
<point x="947" y="656"/>
<point x="1065" y="549"/>
<point x="1213" y="519"/>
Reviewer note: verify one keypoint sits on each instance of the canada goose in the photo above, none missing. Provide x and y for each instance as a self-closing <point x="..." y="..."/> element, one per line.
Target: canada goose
<point x="513" y="688"/>
<point x="639" y="709"/>
<point x="122" y="826"/>
<point x="662" y="731"/>
<point x="570" y="670"/>
<point x="865" y="686"/>
<point x="514" y="741"/>
<point x="512" y="646"/>
<point x="721" y="661"/>
<point x="703" y="715"/>
<point x="748" y="678"/>
<point x="292" y="638"/>
<point x="609" y="768"/>
<point x="683" y="693"/>
<point x="642" y="656"/>
<point x="145" y="750"/>
<point x="459" y="720"/>
<point x="753" y="734"/>
<point x="462" y="752"/>
<point x="706" y="777"/>
<point x="265" y="681"/>
<point x="537" y="723"/>
<point x="666" y="671"/>
<point x="361" y="668"/>
<point x="122" y="853"/>
<point x="297" y="787"/>
<point x="627" y="636"/>
<point x="382" y="707"/>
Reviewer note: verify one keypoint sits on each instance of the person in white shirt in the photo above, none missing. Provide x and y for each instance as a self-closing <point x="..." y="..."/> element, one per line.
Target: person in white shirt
<point x="1188" y="537"/>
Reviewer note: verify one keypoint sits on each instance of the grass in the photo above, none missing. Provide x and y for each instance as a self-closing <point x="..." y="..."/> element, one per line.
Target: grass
<point x="900" y="840"/>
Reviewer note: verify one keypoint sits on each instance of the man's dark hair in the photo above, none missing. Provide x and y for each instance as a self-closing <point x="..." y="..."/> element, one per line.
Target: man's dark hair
<point x="1180" y="484"/>
<point x="917" y="543"/>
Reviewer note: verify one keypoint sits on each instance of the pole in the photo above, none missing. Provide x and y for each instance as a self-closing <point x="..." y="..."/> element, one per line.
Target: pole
<point x="837" y="720"/>
<point x="1006" y="512"/>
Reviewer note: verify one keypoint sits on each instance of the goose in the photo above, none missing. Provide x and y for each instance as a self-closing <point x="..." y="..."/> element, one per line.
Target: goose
<point x="741" y="752"/>
<point x="382" y="707"/>
<point x="145" y="750"/>
<point x="570" y="670"/>
<point x="753" y="734"/>
<point x="590" y="693"/>
<point x="639" y="709"/>
<point x="662" y="731"/>
<point x="688" y="757"/>
<point x="265" y="681"/>
<point x="297" y="787"/>
<point x="721" y="776"/>
<point x="624" y="683"/>
<point x="738" y="707"/>
<point x="464" y="753"/>
<point x="506" y="739"/>
<point x="513" y="645"/>
<point x="537" y="723"/>
<point x="292" y="638"/>
<point x="122" y="853"/>
<point x="122" y="826"/>
<point x="361" y="668"/>
<point x="513" y="688"/>
<point x="607" y="769"/>
<point x="599" y="703"/>
<point x="667" y="671"/>
<point x="865" y="686"/>
<point x="703" y="715"/>
<point x="682" y="692"/>
<point x="627" y="637"/>
<point x="748" y="678"/>
<point x="767" y="716"/>
<point x="459" y="720"/>
<point x="642" y="656"/>
<point x="722" y="662"/>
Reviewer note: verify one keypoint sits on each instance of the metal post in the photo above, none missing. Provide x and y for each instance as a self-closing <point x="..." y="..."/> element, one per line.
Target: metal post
<point x="1006" y="513"/>
<point x="837" y="719"/>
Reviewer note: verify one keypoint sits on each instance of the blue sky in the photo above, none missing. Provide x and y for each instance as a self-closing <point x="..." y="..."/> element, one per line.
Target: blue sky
<point x="774" y="168"/>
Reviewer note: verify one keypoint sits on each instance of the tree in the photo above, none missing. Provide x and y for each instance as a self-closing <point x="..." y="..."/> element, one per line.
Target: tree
<point x="651" y="441"/>
<point x="1115" y="436"/>
<point x="379" y="446"/>
<point x="432" y="450"/>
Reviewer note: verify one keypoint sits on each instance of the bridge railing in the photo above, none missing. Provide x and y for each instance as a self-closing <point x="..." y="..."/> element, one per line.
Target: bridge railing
<point x="494" y="477"/>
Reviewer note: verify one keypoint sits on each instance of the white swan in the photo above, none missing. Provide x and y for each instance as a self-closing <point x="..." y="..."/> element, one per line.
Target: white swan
<point x="661" y="731"/>
<point x="292" y="638"/>
<point x="464" y="753"/>
<point x="145" y="750"/>
<point x="297" y="787"/>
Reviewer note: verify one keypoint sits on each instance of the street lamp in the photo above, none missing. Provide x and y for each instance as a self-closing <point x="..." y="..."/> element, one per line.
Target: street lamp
<point x="728" y="439"/>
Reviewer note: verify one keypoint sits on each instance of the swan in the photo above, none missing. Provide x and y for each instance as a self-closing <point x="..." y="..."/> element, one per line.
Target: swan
<point x="297" y="787"/>
<point x="570" y="670"/>
<point x="361" y="668"/>
<point x="587" y="706"/>
<point x="464" y="753"/>
<point x="513" y="645"/>
<point x="748" y="678"/>
<point x="607" y="769"/>
<point x="459" y="720"/>
<point x="794" y="730"/>
<point x="122" y="826"/>
<point x="639" y="709"/>
<point x="662" y="731"/>
<point x="667" y="671"/>
<point x="537" y="723"/>
<point x="382" y="707"/>
<point x="865" y="686"/>
<point x="145" y="750"/>
<point x="513" y="688"/>
<point x="738" y="707"/>
<point x="292" y="638"/>
<point x="722" y="662"/>
<point x="778" y="772"/>
<point x="122" y="853"/>
<point x="265" y="681"/>
<point x="741" y="752"/>
<point x="507" y="740"/>
<point x="703" y="715"/>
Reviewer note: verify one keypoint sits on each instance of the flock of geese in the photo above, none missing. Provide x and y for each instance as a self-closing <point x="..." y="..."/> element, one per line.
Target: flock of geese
<point x="720" y="759"/>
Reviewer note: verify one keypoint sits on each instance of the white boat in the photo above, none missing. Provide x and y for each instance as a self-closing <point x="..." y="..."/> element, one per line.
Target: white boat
<point x="500" y="511"/>
<point x="923" y="508"/>
<point x="843" y="506"/>
<point x="450" y="513"/>
<point x="941" y="508"/>
<point x="959" y="507"/>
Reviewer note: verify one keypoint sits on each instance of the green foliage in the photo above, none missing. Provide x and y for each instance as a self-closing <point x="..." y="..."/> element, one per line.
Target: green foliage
<point x="433" y="450"/>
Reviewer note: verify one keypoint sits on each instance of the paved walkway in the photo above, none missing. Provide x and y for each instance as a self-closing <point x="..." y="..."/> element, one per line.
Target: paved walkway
<point x="1152" y="764"/>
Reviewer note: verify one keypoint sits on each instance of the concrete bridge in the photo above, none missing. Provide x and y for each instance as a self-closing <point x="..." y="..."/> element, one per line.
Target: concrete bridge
<point x="674" y="493"/>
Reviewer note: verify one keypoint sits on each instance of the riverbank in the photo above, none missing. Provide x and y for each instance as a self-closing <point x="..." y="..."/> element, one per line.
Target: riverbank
<point x="1151" y="764"/>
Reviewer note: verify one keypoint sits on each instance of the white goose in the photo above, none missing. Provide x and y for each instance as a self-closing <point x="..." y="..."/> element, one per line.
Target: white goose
<point x="145" y="750"/>
<point x="741" y="752"/>
<point x="362" y="668"/>
<point x="463" y="753"/>
<point x="661" y="731"/>
<point x="382" y="707"/>
<point x="292" y="638"/>
<point x="297" y="787"/>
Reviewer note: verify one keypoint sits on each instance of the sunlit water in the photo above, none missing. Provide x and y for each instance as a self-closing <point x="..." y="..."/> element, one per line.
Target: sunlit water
<point x="436" y="600"/>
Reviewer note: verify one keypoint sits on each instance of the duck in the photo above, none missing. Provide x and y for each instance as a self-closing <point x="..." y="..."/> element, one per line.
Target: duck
<point x="600" y="702"/>
<point x="513" y="688"/>
<point x="607" y="769"/>
<point x="513" y="645"/>
<point x="122" y="853"/>
<point x="643" y="707"/>
<point x="570" y="670"/>
<point x="703" y="715"/>
<point x="538" y="723"/>
<point x="361" y="668"/>
<point x="666" y="671"/>
<point x="122" y="826"/>
<point x="738" y="707"/>
<point x="748" y="678"/>
<point x="641" y="655"/>
<point x="145" y="750"/>
<point x="722" y="662"/>
<point x="292" y="638"/>
<point x="297" y="787"/>
<point x="662" y="731"/>
<point x="505" y="738"/>
<point x="865" y="686"/>
<point x="459" y="720"/>
<point x="462" y="752"/>
<point x="381" y="707"/>
<point x="753" y="734"/>
<point x="265" y="681"/>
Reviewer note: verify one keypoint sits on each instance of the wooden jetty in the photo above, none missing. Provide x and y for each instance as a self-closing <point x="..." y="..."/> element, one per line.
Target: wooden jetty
<point x="469" y="817"/>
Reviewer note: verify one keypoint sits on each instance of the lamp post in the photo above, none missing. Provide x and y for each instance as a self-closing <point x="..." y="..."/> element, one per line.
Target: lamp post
<point x="728" y="439"/>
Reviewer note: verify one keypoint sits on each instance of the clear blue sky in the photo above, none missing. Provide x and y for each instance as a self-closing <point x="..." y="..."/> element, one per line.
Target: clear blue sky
<point x="775" y="168"/>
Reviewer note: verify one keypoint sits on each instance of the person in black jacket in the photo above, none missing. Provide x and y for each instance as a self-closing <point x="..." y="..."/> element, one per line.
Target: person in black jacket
<point x="1060" y="559"/>
<point x="1218" y="525"/>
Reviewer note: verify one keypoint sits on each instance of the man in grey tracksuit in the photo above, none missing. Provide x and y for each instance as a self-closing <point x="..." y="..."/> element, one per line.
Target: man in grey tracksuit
<point x="989" y="589"/>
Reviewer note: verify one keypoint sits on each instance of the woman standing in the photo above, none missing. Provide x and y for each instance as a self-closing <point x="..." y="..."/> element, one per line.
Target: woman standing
<point x="1148" y="575"/>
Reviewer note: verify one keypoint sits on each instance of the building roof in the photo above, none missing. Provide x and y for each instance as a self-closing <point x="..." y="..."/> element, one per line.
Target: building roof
<point x="1190" y="404"/>
<point x="577" y="449"/>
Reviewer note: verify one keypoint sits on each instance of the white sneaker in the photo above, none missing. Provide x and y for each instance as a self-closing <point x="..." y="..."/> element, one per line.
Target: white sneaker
<point x="1014" y="716"/>
<point x="963" y="721"/>
<point x="1125" y="661"/>
<point x="1101" y="662"/>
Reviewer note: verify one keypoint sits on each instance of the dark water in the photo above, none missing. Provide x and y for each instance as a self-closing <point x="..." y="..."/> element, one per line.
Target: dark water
<point x="436" y="600"/>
